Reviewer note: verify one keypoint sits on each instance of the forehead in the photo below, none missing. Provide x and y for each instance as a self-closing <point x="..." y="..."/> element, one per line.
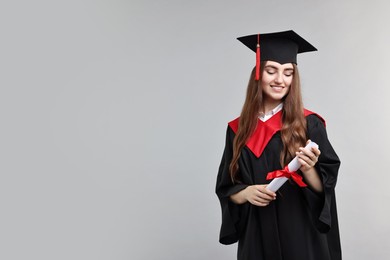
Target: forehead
<point x="277" y="65"/>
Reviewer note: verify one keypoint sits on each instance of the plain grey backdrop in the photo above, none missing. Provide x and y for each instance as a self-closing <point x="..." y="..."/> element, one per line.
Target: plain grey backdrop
<point x="113" y="119"/>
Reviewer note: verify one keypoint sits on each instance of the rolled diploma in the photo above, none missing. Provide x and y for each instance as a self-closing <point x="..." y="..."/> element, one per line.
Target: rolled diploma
<point x="293" y="166"/>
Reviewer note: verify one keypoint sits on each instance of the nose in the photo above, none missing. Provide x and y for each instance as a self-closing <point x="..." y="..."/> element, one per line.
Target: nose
<point x="279" y="78"/>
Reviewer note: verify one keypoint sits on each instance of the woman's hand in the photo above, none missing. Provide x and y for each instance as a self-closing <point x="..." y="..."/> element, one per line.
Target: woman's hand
<point x="257" y="195"/>
<point x="308" y="157"/>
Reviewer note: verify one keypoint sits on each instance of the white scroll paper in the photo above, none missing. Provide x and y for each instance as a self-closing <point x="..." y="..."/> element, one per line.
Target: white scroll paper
<point x="293" y="166"/>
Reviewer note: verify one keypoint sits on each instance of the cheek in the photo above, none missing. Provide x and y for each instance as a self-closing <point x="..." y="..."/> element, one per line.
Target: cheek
<point x="288" y="81"/>
<point x="264" y="84"/>
<point x="265" y="79"/>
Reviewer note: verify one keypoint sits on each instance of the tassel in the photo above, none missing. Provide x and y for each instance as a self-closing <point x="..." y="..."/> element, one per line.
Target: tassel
<point x="258" y="58"/>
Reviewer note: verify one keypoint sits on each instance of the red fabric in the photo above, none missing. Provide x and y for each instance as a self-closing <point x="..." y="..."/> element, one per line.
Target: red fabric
<point x="262" y="134"/>
<point x="307" y="112"/>
<point x="286" y="173"/>
<point x="264" y="131"/>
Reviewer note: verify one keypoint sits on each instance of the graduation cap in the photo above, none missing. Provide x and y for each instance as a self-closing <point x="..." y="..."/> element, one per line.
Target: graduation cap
<point x="281" y="47"/>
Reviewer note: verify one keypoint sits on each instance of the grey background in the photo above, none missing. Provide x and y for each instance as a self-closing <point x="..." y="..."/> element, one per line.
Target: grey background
<point x="113" y="119"/>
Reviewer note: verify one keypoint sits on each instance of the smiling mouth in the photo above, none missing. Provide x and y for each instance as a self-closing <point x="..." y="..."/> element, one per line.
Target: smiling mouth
<point x="277" y="87"/>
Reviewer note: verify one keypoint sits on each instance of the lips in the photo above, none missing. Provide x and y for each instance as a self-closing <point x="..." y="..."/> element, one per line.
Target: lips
<point x="277" y="88"/>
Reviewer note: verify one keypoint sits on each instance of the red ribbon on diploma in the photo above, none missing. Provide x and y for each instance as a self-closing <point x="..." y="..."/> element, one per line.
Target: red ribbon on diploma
<point x="286" y="173"/>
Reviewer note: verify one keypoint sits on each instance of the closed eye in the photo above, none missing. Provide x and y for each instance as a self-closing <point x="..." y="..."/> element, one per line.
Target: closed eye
<point x="289" y="72"/>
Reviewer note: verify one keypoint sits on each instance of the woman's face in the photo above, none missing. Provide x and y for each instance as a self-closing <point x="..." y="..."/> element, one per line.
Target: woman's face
<point x="276" y="81"/>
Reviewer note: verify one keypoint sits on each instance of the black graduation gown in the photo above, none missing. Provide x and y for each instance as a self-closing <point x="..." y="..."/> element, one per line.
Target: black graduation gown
<point x="300" y="223"/>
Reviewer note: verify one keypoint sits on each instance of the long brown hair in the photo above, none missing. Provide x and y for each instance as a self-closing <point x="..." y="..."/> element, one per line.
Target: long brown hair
<point x="293" y="132"/>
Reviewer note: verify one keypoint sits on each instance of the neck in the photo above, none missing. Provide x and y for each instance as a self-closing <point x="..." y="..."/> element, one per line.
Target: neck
<point x="268" y="106"/>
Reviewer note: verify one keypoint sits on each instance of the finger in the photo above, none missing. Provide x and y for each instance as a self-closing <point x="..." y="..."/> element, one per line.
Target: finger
<point x="304" y="163"/>
<point x="313" y="157"/>
<point x="307" y="152"/>
<point x="269" y="195"/>
<point x="264" y="196"/>
<point x="263" y="189"/>
<point x="303" y="157"/>
<point x="308" y="156"/>
<point x="260" y="204"/>
<point x="257" y="202"/>
<point x="263" y="202"/>
<point x="316" y="151"/>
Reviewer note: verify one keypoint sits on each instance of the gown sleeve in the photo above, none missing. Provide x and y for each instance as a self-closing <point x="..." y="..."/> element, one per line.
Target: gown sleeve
<point x="323" y="205"/>
<point x="231" y="212"/>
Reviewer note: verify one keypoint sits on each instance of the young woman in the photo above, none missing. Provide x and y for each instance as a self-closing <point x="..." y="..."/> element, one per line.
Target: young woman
<point x="299" y="221"/>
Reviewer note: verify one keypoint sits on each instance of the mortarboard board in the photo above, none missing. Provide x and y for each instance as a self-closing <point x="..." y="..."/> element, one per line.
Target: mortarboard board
<point x="281" y="47"/>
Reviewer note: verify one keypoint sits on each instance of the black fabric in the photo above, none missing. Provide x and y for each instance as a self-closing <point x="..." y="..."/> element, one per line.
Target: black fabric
<point x="299" y="224"/>
<point x="281" y="47"/>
